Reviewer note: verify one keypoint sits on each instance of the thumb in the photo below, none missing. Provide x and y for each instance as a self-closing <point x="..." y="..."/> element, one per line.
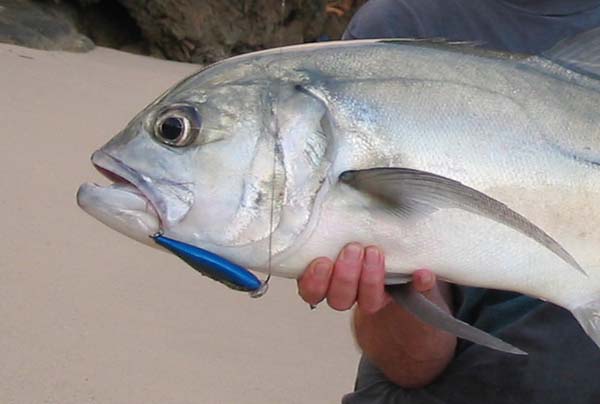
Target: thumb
<point x="423" y="280"/>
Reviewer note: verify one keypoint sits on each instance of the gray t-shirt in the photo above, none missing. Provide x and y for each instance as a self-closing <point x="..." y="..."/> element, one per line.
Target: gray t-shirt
<point x="522" y="26"/>
<point x="563" y="365"/>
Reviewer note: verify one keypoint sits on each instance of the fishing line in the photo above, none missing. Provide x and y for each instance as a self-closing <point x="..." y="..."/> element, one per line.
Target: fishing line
<point x="215" y="266"/>
<point x="275" y="140"/>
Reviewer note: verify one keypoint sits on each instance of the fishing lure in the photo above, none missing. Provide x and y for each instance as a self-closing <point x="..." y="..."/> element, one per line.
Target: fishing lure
<point x="214" y="266"/>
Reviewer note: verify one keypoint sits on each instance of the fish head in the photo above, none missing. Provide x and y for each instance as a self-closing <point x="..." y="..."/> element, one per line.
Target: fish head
<point x="208" y="163"/>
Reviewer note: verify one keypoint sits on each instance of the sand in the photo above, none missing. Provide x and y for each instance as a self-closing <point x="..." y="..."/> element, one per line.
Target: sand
<point x="89" y="316"/>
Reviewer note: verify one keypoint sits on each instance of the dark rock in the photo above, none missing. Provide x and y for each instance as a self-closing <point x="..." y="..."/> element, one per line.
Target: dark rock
<point x="199" y="31"/>
<point x="204" y="31"/>
<point x="109" y="24"/>
<point x="41" y="25"/>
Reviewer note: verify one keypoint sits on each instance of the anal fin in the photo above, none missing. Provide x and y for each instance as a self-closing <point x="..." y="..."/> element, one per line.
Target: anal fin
<point x="428" y="312"/>
<point x="588" y="316"/>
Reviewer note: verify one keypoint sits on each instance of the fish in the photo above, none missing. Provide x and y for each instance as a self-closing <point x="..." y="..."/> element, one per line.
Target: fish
<point x="481" y="165"/>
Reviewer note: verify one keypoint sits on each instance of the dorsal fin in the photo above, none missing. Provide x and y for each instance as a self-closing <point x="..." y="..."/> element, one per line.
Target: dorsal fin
<point x="580" y="53"/>
<point x="431" y="41"/>
<point x="474" y="48"/>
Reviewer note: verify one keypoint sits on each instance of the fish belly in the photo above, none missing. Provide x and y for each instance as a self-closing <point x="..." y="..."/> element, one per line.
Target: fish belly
<point x="458" y="246"/>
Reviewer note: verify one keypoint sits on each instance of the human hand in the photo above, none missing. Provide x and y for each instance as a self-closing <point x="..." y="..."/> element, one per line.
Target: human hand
<point x="409" y="352"/>
<point x="357" y="276"/>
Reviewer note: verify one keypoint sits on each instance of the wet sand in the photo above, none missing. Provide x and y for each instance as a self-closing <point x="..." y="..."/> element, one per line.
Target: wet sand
<point x="89" y="316"/>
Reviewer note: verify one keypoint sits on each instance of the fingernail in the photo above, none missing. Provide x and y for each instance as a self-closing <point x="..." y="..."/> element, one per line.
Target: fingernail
<point x="352" y="252"/>
<point x="321" y="270"/>
<point x="371" y="256"/>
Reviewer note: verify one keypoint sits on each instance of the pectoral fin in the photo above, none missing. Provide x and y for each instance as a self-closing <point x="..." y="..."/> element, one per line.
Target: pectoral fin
<point x="429" y="313"/>
<point x="407" y="192"/>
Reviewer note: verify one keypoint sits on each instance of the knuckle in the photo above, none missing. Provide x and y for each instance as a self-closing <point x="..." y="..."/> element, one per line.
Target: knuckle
<point x="346" y="276"/>
<point x="371" y="282"/>
<point x="367" y="299"/>
<point x="340" y="298"/>
<point x="371" y="304"/>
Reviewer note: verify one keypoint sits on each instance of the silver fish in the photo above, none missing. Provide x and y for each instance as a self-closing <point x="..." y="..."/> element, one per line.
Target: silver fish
<point x="483" y="166"/>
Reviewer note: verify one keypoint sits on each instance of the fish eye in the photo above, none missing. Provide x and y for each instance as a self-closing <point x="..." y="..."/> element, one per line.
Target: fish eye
<point x="177" y="125"/>
<point x="172" y="128"/>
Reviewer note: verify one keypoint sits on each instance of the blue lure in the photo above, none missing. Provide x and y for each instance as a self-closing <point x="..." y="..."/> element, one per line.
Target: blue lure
<point x="214" y="266"/>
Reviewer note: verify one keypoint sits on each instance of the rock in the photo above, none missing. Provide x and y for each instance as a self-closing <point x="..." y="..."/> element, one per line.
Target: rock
<point x="204" y="31"/>
<point x="199" y="31"/>
<point x="40" y="25"/>
<point x="109" y="24"/>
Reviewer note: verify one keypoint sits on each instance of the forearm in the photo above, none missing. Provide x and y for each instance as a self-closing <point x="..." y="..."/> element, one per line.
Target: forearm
<point x="409" y="352"/>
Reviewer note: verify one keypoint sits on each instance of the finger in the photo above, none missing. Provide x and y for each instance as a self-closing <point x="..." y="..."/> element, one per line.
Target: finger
<point x="371" y="292"/>
<point x="423" y="280"/>
<point x="343" y="288"/>
<point x="314" y="282"/>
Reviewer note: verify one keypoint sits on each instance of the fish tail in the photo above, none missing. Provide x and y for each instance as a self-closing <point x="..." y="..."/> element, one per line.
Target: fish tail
<point x="588" y="316"/>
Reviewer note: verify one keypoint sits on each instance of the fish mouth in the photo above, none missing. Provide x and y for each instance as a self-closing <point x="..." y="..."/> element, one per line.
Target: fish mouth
<point x="170" y="200"/>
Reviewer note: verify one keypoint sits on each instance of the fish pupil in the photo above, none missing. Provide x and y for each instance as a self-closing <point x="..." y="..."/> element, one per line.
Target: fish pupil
<point x="171" y="128"/>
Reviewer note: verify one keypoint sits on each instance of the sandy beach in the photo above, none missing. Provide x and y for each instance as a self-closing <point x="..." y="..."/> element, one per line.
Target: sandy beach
<point x="89" y="316"/>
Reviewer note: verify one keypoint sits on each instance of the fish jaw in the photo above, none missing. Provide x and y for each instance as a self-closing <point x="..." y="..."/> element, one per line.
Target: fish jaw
<point x="171" y="200"/>
<point x="122" y="208"/>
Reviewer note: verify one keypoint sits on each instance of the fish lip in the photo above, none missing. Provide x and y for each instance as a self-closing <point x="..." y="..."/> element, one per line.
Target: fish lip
<point x="118" y="171"/>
